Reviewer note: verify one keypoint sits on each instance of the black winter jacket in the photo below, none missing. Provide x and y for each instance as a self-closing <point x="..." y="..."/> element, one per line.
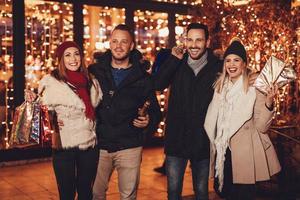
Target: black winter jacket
<point x="119" y="106"/>
<point x="189" y="98"/>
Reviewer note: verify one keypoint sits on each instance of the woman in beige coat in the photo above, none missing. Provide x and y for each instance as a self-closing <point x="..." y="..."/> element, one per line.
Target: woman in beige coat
<point x="236" y="123"/>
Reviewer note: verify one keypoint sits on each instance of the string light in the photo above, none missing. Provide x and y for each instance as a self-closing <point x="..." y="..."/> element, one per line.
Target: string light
<point x="43" y="32"/>
<point x="49" y="23"/>
<point x="185" y="2"/>
<point x="151" y="34"/>
<point x="46" y="28"/>
<point x="99" y="22"/>
<point x="6" y="71"/>
<point x="265" y="29"/>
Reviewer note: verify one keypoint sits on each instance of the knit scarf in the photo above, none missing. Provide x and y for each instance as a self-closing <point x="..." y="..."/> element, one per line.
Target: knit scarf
<point x="197" y="65"/>
<point x="79" y="84"/>
<point x="230" y="94"/>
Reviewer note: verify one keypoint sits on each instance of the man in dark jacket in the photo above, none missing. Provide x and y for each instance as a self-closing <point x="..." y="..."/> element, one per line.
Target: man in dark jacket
<point x="126" y="86"/>
<point x="191" y="76"/>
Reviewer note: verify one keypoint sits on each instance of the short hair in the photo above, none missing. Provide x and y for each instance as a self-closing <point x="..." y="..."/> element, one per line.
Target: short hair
<point x="198" y="26"/>
<point x="124" y="27"/>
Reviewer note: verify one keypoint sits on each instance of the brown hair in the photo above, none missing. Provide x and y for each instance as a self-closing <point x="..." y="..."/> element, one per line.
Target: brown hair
<point x="60" y="72"/>
<point x="198" y="26"/>
<point x="124" y="27"/>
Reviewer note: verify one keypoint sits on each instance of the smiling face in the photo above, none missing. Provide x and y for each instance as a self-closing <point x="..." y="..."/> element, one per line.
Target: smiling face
<point x="196" y="43"/>
<point x="72" y="58"/>
<point x="234" y="66"/>
<point x="120" y="44"/>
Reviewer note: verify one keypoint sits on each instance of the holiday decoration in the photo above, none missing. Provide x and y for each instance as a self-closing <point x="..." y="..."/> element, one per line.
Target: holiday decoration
<point x="266" y="28"/>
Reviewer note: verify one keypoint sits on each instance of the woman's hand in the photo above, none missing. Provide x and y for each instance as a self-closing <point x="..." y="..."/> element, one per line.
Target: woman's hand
<point x="271" y="93"/>
<point x="30" y="96"/>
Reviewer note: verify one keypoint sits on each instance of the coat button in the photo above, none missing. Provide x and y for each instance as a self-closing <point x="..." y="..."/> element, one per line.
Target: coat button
<point x="107" y="107"/>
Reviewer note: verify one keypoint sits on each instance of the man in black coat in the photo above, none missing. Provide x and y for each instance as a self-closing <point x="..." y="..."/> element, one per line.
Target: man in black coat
<point x="126" y="86"/>
<point x="190" y="76"/>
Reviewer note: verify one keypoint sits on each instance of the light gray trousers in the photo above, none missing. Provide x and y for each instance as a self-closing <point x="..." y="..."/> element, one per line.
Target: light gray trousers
<point x="127" y="163"/>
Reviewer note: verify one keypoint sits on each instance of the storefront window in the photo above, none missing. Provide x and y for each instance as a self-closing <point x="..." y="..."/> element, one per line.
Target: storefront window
<point x="98" y="24"/>
<point x="47" y="24"/>
<point x="6" y="65"/>
<point x="151" y="32"/>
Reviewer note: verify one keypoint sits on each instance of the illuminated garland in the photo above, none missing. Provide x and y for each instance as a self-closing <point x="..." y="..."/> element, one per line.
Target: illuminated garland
<point x="265" y="29"/>
<point x="98" y="24"/>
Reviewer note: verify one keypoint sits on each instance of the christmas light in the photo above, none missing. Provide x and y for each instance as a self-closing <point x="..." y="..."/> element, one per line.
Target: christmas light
<point x="6" y="69"/>
<point x="49" y="23"/>
<point x="99" y="22"/>
<point x="151" y="30"/>
<point x="46" y="28"/>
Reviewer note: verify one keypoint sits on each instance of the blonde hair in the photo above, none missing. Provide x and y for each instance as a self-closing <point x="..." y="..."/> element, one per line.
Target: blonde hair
<point x="223" y="76"/>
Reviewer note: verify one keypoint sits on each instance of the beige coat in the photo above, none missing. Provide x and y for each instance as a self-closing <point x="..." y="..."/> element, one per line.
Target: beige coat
<point x="253" y="155"/>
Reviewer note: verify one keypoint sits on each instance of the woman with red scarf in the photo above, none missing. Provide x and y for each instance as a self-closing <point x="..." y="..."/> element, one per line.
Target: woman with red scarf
<point x="73" y="94"/>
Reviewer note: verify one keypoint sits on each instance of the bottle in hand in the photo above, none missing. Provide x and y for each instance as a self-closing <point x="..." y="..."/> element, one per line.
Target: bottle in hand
<point x="144" y="110"/>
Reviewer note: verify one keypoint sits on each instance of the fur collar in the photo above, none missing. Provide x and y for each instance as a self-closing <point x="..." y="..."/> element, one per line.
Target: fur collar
<point x="59" y="93"/>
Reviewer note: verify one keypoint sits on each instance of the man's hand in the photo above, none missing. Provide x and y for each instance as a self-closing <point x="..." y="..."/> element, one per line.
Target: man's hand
<point x="141" y="122"/>
<point x="178" y="51"/>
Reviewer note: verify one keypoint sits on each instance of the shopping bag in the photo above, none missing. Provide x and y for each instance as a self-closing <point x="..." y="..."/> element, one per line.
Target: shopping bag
<point x="287" y="75"/>
<point x="275" y="71"/>
<point x="50" y="128"/>
<point x="25" y="129"/>
<point x="35" y="133"/>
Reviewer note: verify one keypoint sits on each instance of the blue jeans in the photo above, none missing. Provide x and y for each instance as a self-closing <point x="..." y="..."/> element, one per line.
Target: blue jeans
<point x="175" y="168"/>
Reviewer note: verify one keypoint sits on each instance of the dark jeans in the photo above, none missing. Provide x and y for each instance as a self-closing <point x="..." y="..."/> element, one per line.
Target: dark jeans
<point x="176" y="166"/>
<point x="75" y="170"/>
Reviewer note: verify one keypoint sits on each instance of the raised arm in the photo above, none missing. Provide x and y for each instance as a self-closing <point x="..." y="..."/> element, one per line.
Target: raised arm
<point x="165" y="75"/>
<point x="264" y="110"/>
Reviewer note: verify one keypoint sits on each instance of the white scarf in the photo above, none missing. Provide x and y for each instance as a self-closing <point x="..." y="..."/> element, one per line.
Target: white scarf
<point x="230" y="94"/>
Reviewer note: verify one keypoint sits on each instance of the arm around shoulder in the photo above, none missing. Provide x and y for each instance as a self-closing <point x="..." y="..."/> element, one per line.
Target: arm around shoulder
<point x="96" y="93"/>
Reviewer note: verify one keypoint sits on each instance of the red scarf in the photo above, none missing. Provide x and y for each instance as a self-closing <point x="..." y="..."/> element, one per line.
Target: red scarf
<point x="80" y="83"/>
